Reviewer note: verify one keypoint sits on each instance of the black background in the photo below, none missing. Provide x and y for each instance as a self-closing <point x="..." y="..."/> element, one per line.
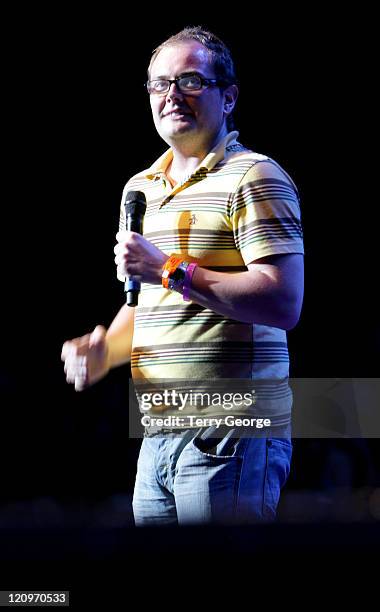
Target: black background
<point x="77" y="125"/>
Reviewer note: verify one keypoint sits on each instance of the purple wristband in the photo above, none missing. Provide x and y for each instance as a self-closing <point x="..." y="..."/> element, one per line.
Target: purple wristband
<point x="187" y="281"/>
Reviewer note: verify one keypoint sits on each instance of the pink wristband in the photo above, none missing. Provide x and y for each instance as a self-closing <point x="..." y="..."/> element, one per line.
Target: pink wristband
<point x="187" y="281"/>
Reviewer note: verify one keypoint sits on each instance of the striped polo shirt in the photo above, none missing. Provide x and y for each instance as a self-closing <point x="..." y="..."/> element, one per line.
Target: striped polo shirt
<point x="236" y="207"/>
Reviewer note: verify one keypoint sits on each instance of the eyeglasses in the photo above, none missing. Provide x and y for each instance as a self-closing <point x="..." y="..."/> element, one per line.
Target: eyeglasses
<point x="186" y="84"/>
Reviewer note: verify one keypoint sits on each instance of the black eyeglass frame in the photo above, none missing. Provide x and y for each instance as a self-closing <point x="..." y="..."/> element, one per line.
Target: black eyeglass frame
<point x="203" y="80"/>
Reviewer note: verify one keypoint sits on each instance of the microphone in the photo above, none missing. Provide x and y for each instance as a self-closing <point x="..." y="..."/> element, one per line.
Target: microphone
<point x="135" y="207"/>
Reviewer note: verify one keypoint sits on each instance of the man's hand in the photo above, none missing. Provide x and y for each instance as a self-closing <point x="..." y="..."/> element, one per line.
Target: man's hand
<point x="86" y="358"/>
<point x="137" y="257"/>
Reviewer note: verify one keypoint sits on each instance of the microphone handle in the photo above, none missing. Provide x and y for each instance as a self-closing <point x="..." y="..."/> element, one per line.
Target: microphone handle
<point x="132" y="287"/>
<point x="134" y="223"/>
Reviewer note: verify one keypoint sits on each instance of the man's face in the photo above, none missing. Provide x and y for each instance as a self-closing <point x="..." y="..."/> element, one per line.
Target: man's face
<point x="198" y="115"/>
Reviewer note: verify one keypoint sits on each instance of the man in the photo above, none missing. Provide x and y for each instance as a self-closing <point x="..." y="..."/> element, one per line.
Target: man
<point x="218" y="309"/>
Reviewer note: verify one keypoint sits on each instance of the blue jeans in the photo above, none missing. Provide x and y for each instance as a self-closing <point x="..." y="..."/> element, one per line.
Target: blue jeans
<point x="194" y="478"/>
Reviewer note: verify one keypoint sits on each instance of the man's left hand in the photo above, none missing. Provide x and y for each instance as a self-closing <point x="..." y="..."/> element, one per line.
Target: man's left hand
<point x="137" y="257"/>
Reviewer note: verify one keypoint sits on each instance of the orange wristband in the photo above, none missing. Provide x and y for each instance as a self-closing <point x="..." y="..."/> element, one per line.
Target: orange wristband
<point x="169" y="267"/>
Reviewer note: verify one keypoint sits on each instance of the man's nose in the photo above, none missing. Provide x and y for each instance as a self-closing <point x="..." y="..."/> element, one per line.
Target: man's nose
<point x="174" y="92"/>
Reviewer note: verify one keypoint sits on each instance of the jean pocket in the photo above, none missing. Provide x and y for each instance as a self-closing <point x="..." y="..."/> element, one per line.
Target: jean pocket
<point x="219" y="448"/>
<point x="278" y="458"/>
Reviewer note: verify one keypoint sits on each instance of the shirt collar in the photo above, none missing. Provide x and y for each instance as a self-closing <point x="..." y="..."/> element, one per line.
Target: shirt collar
<point x="216" y="154"/>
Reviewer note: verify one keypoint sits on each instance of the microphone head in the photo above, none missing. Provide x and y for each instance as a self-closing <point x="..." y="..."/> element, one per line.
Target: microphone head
<point x="135" y="203"/>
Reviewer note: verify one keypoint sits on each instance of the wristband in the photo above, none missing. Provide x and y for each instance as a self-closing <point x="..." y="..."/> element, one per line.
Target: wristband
<point x="187" y="282"/>
<point x="176" y="279"/>
<point x="169" y="267"/>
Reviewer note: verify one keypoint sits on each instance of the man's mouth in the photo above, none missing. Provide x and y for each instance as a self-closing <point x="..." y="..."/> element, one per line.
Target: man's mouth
<point x="177" y="114"/>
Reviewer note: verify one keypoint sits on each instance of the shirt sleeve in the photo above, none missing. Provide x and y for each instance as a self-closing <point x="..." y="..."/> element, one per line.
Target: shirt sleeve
<point x="265" y="213"/>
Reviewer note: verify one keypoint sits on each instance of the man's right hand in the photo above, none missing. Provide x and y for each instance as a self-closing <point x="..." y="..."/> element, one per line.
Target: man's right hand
<point x="86" y="358"/>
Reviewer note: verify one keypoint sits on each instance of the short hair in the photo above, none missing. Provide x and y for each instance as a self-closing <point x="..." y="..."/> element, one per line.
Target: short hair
<point x="219" y="54"/>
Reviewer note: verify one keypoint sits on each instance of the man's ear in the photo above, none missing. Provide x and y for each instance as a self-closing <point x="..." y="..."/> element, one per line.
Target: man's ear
<point x="230" y="96"/>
